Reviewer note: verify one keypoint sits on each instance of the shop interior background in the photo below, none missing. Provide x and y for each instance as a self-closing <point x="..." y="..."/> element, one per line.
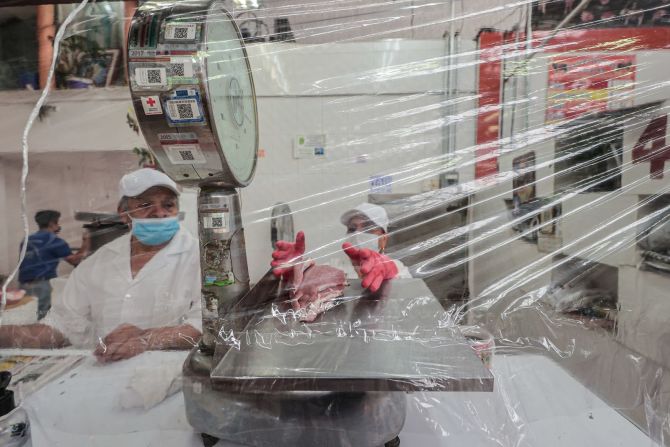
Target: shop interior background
<point x="521" y="171"/>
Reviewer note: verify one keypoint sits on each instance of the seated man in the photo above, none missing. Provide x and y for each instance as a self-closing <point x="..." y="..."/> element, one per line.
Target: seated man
<point x="139" y="292"/>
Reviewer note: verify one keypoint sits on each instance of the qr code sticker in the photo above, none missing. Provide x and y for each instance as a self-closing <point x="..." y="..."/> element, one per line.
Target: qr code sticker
<point x="176" y="70"/>
<point x="216" y="221"/>
<point x="180" y="31"/>
<point x="154" y="76"/>
<point x="187" y="155"/>
<point x="184" y="154"/>
<point x="150" y="77"/>
<point x="184" y="111"/>
<point x="180" y="67"/>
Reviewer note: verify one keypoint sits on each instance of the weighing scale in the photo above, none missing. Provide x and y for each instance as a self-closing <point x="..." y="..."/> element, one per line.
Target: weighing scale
<point x="260" y="376"/>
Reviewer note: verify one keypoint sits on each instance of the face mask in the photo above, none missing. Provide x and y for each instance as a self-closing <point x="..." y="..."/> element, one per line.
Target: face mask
<point x="155" y="231"/>
<point x="365" y="240"/>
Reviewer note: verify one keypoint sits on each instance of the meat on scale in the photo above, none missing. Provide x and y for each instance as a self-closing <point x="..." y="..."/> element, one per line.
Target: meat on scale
<point x="314" y="287"/>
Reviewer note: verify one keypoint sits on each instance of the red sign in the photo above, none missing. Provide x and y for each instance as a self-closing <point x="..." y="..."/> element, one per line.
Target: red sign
<point x="590" y="83"/>
<point x="602" y="41"/>
<point x="488" y="118"/>
<point x="651" y="147"/>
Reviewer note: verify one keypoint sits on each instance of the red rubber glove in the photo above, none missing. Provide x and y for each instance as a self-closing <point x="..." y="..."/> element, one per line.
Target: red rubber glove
<point x="287" y="254"/>
<point x="374" y="267"/>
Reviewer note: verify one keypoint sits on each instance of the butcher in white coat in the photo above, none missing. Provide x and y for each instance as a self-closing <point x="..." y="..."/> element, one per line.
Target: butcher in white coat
<point x="139" y="292"/>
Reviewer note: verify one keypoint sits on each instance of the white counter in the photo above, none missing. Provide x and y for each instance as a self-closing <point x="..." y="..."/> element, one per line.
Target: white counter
<point x="535" y="403"/>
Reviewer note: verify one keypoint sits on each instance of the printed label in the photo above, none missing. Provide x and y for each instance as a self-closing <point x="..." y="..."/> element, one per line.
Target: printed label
<point x="381" y="184"/>
<point x="141" y="54"/>
<point x="177" y="49"/>
<point x="180" y="71"/>
<point x="152" y="105"/>
<point x="309" y="146"/>
<point x="184" y="107"/>
<point x="180" y="31"/>
<point x="214" y="206"/>
<point x="216" y="221"/>
<point x="220" y="281"/>
<point x="150" y="77"/>
<point x="180" y="68"/>
<point x="184" y="154"/>
<point x="168" y="138"/>
<point x="183" y="110"/>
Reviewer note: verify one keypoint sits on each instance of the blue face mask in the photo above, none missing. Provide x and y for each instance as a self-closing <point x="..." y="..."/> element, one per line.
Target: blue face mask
<point x="155" y="231"/>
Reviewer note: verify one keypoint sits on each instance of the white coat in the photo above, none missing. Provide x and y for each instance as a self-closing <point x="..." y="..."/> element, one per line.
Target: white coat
<point x="101" y="293"/>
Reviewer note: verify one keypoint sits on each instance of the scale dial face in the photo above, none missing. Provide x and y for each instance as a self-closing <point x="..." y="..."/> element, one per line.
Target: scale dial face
<point x="231" y="94"/>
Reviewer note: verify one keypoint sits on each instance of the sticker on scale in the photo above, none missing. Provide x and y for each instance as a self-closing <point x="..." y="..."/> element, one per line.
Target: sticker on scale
<point x="141" y="53"/>
<point x="184" y="154"/>
<point x="144" y="34"/>
<point x="173" y="138"/>
<point x="150" y="77"/>
<point x="185" y="107"/>
<point x="180" y="67"/>
<point x="215" y="221"/>
<point x="152" y="105"/>
<point x="181" y="31"/>
<point x="177" y="49"/>
<point x="220" y="281"/>
<point x="180" y="71"/>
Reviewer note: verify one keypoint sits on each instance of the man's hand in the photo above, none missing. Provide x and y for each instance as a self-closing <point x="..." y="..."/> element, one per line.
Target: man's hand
<point x="286" y="254"/>
<point x="124" y="342"/>
<point x="76" y="258"/>
<point x="35" y="336"/>
<point x="127" y="341"/>
<point x="373" y="268"/>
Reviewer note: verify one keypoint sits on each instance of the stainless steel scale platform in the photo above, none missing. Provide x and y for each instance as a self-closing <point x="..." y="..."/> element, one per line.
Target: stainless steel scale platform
<point x="338" y="381"/>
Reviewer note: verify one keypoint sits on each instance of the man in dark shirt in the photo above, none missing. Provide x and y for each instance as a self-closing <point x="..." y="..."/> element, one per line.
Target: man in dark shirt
<point x="43" y="253"/>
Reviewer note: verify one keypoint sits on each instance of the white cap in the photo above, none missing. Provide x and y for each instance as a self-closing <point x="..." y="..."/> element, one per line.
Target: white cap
<point x="374" y="213"/>
<point x="135" y="183"/>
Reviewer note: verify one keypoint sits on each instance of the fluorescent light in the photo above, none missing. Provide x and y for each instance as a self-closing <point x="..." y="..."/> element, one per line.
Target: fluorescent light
<point x="247" y="4"/>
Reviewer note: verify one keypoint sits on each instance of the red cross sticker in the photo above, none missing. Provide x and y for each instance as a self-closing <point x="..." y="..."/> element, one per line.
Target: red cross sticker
<point x="652" y="147"/>
<point x="151" y="105"/>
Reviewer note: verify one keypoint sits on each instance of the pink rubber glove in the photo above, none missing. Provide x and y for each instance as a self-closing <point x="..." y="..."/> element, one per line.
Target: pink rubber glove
<point x="286" y="254"/>
<point x="374" y="267"/>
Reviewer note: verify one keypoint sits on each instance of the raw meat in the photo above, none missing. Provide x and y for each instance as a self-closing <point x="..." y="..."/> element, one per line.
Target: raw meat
<point x="314" y="287"/>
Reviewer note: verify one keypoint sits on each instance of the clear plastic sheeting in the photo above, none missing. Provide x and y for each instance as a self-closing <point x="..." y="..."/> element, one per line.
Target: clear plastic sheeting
<point x="273" y="223"/>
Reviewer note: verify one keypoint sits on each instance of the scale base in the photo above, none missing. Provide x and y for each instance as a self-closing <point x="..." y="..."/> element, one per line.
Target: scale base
<point x="293" y="418"/>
